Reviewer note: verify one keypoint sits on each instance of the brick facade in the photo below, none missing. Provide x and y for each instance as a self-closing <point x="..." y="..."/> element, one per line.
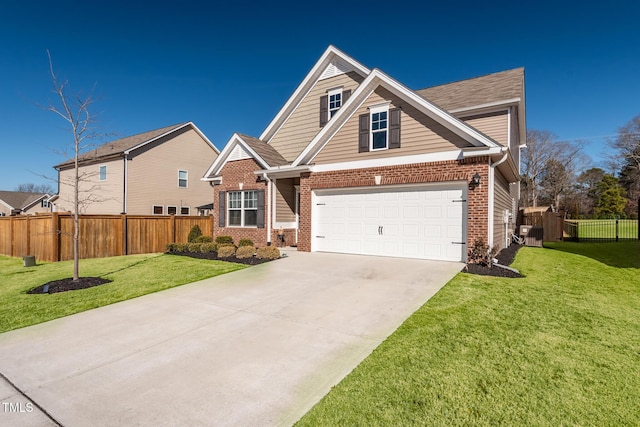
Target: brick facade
<point x="233" y="173"/>
<point x="433" y="172"/>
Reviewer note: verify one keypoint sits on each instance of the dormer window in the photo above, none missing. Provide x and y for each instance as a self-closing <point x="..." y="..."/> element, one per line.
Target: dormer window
<point x="331" y="103"/>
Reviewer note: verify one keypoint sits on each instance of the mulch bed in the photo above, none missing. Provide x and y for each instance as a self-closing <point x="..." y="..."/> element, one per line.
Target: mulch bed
<point x="68" y="284"/>
<point x="214" y="256"/>
<point x="504" y="257"/>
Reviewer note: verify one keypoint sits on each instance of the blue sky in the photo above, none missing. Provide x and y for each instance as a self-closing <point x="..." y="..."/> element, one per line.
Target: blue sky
<point x="230" y="68"/>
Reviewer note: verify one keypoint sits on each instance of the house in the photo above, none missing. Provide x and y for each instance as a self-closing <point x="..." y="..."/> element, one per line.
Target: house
<point x="152" y="173"/>
<point x="356" y="162"/>
<point x="23" y="203"/>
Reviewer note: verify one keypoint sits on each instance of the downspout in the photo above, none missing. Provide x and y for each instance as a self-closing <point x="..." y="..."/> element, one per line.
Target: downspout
<point x="492" y="193"/>
<point x="124" y="195"/>
<point x="266" y="178"/>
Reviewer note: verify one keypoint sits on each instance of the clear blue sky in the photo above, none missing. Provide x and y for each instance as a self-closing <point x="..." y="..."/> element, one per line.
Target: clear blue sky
<point x="230" y="68"/>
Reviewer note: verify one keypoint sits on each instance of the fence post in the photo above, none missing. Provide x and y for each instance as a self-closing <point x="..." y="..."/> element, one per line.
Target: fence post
<point x="639" y="218"/>
<point x="124" y="234"/>
<point x="617" y="233"/>
<point x="173" y="228"/>
<point x="55" y="226"/>
<point x="11" y="234"/>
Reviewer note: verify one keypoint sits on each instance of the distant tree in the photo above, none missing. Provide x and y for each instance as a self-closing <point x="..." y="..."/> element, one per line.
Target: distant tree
<point x="74" y="109"/>
<point x="35" y="188"/>
<point x="611" y="200"/>
<point x="626" y="159"/>
<point x="585" y="196"/>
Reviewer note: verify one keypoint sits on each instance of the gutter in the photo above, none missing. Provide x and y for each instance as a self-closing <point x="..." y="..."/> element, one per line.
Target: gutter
<point x="126" y="182"/>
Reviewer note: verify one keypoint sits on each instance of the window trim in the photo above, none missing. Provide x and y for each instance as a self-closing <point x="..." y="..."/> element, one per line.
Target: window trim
<point x="242" y="208"/>
<point x="174" y="207"/>
<point x="186" y="179"/>
<point x="100" y="173"/>
<point x="187" y="208"/>
<point x="330" y="93"/>
<point x="153" y="209"/>
<point x="376" y="110"/>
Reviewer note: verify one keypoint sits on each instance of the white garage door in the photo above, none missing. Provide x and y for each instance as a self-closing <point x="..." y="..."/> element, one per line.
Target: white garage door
<point x="416" y="222"/>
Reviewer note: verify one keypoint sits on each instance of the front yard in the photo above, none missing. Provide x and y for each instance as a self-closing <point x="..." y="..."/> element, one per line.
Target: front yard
<point x="131" y="276"/>
<point x="558" y="347"/>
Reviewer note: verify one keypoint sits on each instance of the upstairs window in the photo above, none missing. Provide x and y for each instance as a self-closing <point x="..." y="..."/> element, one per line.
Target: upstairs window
<point x="44" y="203"/>
<point x="379" y="128"/>
<point x="335" y="101"/>
<point x="103" y="173"/>
<point x="183" y="179"/>
<point x="331" y="103"/>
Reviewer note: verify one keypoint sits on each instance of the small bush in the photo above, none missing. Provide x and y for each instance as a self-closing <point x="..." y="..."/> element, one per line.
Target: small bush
<point x="171" y="247"/>
<point x="245" y="242"/>
<point x="194" y="233"/>
<point x="481" y="253"/>
<point x="226" y="251"/>
<point x="245" y="251"/>
<point x="206" y="248"/>
<point x="203" y="239"/>
<point x="268" y="252"/>
<point x="228" y="240"/>
<point x="194" y="247"/>
<point x="177" y="247"/>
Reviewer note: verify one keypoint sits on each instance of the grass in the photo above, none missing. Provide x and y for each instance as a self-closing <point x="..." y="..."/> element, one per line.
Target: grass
<point x="558" y="347"/>
<point x="606" y="228"/>
<point x="131" y="276"/>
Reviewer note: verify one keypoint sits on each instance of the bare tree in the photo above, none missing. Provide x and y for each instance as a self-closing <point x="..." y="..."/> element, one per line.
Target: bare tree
<point x="74" y="109"/>
<point x="626" y="160"/>
<point x="30" y="187"/>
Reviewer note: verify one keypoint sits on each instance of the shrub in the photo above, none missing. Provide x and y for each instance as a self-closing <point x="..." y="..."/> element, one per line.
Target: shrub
<point x="177" y="247"/>
<point x="206" y="248"/>
<point x="226" y="251"/>
<point x="203" y="239"/>
<point x="268" y="252"/>
<point x="228" y="240"/>
<point x="245" y="251"/>
<point x="481" y="253"/>
<point x="245" y="242"/>
<point x="194" y="233"/>
<point x="171" y="247"/>
<point x="194" y="247"/>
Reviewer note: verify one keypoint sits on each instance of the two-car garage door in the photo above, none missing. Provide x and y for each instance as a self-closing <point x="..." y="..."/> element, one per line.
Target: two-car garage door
<point x="427" y="222"/>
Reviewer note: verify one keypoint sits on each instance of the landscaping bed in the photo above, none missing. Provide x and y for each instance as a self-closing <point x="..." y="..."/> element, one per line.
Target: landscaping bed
<point x="68" y="284"/>
<point x="504" y="257"/>
<point x="214" y="256"/>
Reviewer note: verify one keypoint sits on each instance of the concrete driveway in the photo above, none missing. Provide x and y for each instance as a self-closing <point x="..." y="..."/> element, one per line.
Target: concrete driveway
<point x="254" y="347"/>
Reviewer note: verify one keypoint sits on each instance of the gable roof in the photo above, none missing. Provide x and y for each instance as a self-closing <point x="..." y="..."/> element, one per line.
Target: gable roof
<point x="19" y="199"/>
<point x="478" y="91"/>
<point x="123" y="146"/>
<point x="376" y="79"/>
<point x="330" y="56"/>
<point x="264" y="154"/>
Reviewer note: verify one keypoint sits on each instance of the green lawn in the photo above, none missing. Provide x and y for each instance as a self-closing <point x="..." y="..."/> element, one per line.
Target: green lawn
<point x="606" y="228"/>
<point x="558" y="347"/>
<point x="131" y="276"/>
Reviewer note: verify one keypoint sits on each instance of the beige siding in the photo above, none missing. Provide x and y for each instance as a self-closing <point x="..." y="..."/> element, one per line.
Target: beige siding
<point x="418" y="134"/>
<point x="4" y="210"/>
<point x="285" y="200"/>
<point x="495" y="125"/>
<point x="37" y="208"/>
<point x="304" y="123"/>
<point x="502" y="203"/>
<point x="95" y="196"/>
<point x="153" y="174"/>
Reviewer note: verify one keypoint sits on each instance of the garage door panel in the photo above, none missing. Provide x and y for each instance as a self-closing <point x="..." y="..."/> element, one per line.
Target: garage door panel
<point x="418" y="222"/>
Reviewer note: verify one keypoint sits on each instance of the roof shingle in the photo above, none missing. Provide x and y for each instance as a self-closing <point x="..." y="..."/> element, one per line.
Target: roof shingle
<point x="19" y="199"/>
<point x="265" y="151"/>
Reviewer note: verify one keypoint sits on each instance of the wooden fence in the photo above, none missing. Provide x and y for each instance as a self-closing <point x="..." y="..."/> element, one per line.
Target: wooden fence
<point x="50" y="236"/>
<point x="551" y="222"/>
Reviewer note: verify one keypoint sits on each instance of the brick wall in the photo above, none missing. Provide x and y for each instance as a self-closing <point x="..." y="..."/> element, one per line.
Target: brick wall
<point x="433" y="172"/>
<point x="234" y="173"/>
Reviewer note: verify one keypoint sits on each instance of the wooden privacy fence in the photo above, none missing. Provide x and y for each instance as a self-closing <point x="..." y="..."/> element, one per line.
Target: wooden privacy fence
<point x="551" y="222"/>
<point x="50" y="236"/>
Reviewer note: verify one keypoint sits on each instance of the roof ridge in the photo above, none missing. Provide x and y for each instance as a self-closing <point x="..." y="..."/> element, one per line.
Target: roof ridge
<point x="470" y="78"/>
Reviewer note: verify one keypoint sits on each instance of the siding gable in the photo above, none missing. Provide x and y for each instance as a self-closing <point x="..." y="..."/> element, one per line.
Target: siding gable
<point x="420" y="134"/>
<point x="495" y="125"/>
<point x="303" y="124"/>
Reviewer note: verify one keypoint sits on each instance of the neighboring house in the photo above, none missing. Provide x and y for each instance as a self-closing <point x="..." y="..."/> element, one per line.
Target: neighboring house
<point x="152" y="173"/>
<point x="356" y="162"/>
<point x="22" y="203"/>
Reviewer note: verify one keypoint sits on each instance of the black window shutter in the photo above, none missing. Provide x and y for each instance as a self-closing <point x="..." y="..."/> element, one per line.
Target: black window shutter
<point x="394" y="128"/>
<point x="324" y="110"/>
<point x="345" y="95"/>
<point x="260" y="213"/>
<point x="222" y="209"/>
<point x="363" y="140"/>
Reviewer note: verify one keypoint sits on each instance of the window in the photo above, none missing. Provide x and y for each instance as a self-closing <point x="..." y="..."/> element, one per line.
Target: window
<point x="158" y="210"/>
<point x="184" y="210"/>
<point x="182" y="179"/>
<point x="379" y="128"/>
<point x="103" y="173"/>
<point x="44" y="203"/>
<point x="335" y="101"/>
<point x="243" y="208"/>
<point x="172" y="210"/>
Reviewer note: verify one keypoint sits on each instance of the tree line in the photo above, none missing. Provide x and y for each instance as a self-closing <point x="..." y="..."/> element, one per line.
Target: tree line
<point x="558" y="174"/>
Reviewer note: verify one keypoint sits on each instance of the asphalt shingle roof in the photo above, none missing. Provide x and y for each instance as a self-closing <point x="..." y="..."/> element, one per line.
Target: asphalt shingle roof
<point x="264" y="150"/>
<point x="19" y="199"/>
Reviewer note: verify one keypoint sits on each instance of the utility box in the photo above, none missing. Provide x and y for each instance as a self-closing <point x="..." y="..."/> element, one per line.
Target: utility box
<point x="29" y="260"/>
<point x="533" y="235"/>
